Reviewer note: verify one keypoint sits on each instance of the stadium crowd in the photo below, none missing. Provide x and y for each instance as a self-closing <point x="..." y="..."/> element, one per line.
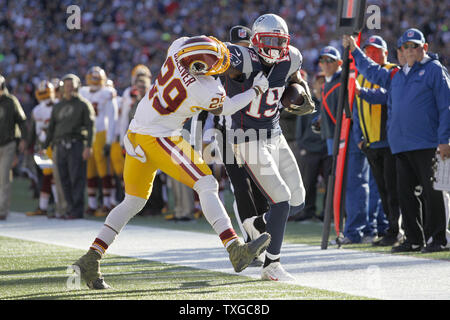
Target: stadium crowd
<point x="36" y="43"/>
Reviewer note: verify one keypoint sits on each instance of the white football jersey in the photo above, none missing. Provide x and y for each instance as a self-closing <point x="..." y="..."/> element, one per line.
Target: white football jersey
<point x="175" y="97"/>
<point x="105" y="106"/>
<point x="41" y="115"/>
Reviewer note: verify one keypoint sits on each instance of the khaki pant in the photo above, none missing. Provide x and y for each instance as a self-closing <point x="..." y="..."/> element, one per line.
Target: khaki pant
<point x="7" y="153"/>
<point x="60" y="204"/>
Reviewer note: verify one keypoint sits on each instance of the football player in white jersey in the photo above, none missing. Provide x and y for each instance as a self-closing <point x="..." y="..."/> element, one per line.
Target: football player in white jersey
<point x="103" y="100"/>
<point x="45" y="94"/>
<point x="184" y="87"/>
<point x="138" y="71"/>
<point x="117" y="158"/>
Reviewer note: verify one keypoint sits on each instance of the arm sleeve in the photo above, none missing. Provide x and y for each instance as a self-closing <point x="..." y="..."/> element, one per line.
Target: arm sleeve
<point x="374" y="96"/>
<point x="20" y="118"/>
<point x="124" y="118"/>
<point x="50" y="130"/>
<point x="356" y="127"/>
<point x="89" y="119"/>
<point x="441" y="93"/>
<point x="237" y="102"/>
<point x="371" y="70"/>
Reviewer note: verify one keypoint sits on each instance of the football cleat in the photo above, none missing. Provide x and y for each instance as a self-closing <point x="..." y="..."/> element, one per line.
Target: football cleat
<point x="276" y="272"/>
<point x="89" y="268"/>
<point x="249" y="227"/>
<point x="242" y="254"/>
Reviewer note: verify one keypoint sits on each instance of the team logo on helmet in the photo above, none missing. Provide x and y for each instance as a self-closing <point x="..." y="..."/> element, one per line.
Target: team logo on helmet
<point x="204" y="55"/>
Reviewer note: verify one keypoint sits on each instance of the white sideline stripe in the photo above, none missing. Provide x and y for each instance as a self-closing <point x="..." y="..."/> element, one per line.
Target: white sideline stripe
<point x="381" y="276"/>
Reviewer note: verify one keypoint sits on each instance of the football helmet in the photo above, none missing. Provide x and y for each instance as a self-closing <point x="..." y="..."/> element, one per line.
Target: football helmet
<point x="45" y="90"/>
<point x="76" y="81"/>
<point x="96" y="77"/>
<point x="270" y="37"/>
<point x="140" y="70"/>
<point x="203" y="55"/>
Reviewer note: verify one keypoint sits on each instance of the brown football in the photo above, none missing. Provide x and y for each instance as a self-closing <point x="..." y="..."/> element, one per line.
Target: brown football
<point x="292" y="95"/>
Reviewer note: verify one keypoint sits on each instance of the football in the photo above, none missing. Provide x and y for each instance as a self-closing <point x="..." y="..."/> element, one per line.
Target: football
<point x="292" y="95"/>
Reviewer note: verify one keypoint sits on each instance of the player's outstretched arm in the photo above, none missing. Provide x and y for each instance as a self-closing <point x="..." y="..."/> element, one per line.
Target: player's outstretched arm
<point x="368" y="68"/>
<point x="239" y="101"/>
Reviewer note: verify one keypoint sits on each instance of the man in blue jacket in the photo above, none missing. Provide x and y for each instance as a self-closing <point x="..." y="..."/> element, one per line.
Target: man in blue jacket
<point x="418" y="124"/>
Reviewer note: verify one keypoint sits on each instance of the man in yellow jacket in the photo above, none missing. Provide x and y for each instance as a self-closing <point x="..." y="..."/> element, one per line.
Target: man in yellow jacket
<point x="369" y="130"/>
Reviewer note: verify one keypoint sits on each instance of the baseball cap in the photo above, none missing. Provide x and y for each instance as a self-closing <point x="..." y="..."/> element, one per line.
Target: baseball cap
<point x="375" y="41"/>
<point x="240" y="33"/>
<point x="331" y="52"/>
<point x="413" y="35"/>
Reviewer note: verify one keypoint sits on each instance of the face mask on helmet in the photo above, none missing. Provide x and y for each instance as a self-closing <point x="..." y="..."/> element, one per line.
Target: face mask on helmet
<point x="271" y="46"/>
<point x="204" y="56"/>
<point x="96" y="77"/>
<point x="45" y="91"/>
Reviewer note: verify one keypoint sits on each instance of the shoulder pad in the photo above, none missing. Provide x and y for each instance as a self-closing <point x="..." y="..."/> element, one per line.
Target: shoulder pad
<point x="242" y="58"/>
<point x="296" y="57"/>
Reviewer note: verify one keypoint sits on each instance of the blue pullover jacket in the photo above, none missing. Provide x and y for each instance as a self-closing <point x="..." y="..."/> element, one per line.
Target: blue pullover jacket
<point x="419" y="102"/>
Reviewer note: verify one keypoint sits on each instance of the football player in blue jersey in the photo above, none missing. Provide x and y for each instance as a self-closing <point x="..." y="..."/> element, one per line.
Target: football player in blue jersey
<point x="259" y="144"/>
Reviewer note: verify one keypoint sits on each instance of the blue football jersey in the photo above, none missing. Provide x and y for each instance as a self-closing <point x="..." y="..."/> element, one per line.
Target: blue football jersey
<point x="264" y="111"/>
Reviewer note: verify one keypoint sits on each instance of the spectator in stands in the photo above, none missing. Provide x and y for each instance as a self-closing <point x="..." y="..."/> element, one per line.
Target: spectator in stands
<point x="12" y="129"/>
<point x="36" y="44"/>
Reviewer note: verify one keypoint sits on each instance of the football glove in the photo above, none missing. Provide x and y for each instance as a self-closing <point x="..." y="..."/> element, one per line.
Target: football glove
<point x="260" y="83"/>
<point x="308" y="105"/>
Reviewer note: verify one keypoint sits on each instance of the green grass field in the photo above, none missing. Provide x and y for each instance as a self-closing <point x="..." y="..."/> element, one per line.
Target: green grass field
<point x="32" y="270"/>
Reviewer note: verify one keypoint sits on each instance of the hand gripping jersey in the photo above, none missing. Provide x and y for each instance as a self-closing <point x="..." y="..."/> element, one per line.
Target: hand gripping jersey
<point x="264" y="111"/>
<point x="175" y="97"/>
<point x="105" y="106"/>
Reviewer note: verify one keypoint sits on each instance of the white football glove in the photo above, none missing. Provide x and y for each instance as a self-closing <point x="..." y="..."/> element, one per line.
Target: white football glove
<point x="260" y="83"/>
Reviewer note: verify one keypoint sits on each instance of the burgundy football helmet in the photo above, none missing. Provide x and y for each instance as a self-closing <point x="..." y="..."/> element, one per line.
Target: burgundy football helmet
<point x="203" y="55"/>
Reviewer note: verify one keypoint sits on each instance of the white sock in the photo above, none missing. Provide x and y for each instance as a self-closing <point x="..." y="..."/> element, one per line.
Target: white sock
<point x="92" y="202"/>
<point x="43" y="201"/>
<point x="212" y="207"/>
